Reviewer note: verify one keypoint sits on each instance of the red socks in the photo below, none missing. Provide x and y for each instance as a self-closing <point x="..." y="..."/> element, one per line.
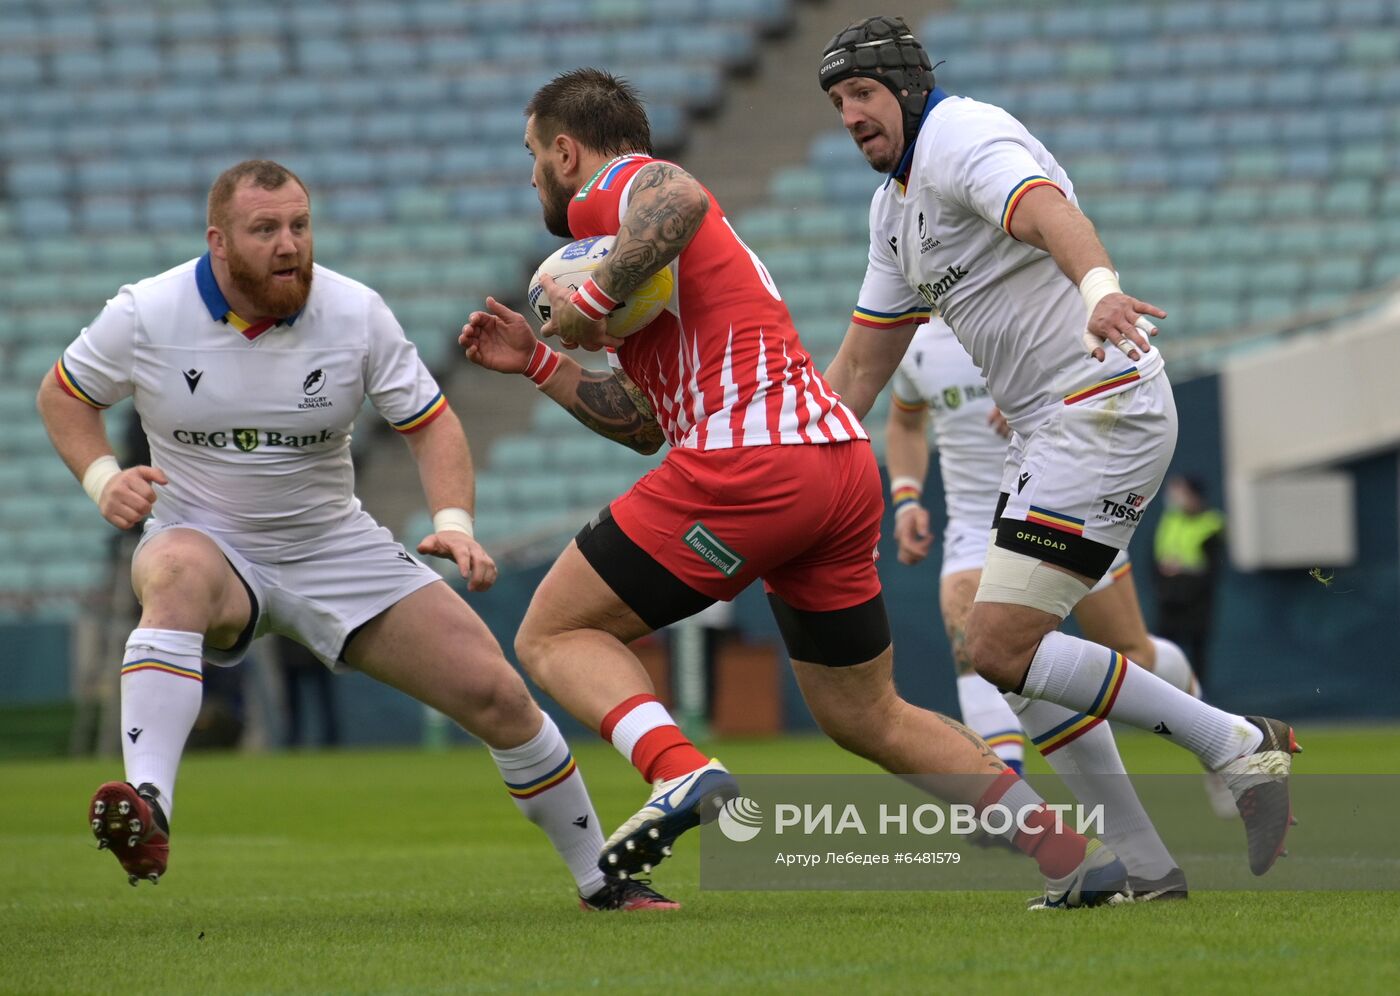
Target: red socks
<point x="1056" y="852"/>
<point x="644" y="733"/>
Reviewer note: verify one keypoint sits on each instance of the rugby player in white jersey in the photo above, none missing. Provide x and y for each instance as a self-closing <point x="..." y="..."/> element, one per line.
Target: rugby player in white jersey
<point x="767" y="477"/>
<point x="247" y="367"/>
<point x="977" y="220"/>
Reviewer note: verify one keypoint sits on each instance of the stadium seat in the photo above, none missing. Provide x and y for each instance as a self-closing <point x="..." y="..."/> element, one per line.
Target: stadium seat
<point x="1374" y="47"/>
<point x="1348" y="199"/>
<point x="1362" y="13"/>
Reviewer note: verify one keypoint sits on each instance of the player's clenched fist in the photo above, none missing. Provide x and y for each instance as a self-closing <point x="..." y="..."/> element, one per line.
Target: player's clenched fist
<point x="498" y="339"/>
<point x="474" y="563"/>
<point x="129" y="497"/>
<point x="912" y="533"/>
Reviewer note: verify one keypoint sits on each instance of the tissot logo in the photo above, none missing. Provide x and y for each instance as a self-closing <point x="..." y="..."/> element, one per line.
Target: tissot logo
<point x="313" y="381"/>
<point x="1128" y="510"/>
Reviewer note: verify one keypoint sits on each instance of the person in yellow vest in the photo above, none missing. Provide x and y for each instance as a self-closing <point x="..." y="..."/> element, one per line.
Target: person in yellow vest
<point x="1189" y="549"/>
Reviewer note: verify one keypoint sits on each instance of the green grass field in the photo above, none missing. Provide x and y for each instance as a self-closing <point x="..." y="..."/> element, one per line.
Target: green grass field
<point x="411" y="872"/>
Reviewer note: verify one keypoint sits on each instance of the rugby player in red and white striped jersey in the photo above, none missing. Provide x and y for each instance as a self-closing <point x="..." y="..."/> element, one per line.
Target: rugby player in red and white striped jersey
<point x="768" y="477"/>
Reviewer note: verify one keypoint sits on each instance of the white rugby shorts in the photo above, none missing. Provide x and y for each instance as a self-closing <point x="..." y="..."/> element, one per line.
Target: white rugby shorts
<point x="964" y="545"/>
<point x="352" y="574"/>
<point x="1089" y="472"/>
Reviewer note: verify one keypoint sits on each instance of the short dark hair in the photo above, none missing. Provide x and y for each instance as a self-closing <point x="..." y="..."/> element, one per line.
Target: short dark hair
<point x="263" y="172"/>
<point x="602" y="111"/>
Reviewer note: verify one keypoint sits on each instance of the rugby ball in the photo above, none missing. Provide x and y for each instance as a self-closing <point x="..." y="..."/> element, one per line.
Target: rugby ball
<point x="576" y="262"/>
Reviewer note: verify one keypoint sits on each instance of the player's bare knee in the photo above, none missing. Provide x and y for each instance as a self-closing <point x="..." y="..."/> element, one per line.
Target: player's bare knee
<point x="996" y="652"/>
<point x="500" y="711"/>
<point x="179" y="570"/>
<point x="532" y="644"/>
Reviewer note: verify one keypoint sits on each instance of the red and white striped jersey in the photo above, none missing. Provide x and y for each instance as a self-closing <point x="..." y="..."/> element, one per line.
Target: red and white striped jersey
<point x="722" y="364"/>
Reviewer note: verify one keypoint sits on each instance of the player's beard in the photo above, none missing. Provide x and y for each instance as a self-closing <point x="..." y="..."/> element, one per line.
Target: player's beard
<point x="270" y="298"/>
<point x="883" y="162"/>
<point x="554" y="200"/>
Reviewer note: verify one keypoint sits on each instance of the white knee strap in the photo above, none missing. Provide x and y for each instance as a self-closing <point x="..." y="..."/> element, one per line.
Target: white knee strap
<point x="1014" y="577"/>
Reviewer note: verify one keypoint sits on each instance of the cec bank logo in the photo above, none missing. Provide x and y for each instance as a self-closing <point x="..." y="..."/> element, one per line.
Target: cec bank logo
<point x="741" y="819"/>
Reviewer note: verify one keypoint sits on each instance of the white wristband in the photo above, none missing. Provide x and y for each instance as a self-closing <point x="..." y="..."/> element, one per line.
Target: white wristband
<point x="453" y="519"/>
<point x="1097" y="284"/>
<point x="906" y="482"/>
<point x="98" y="473"/>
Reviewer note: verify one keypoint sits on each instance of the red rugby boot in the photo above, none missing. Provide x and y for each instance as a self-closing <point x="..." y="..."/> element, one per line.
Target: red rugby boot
<point x="130" y="823"/>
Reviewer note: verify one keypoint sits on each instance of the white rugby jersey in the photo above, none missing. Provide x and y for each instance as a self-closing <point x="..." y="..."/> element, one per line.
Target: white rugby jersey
<point x="940" y="241"/>
<point x="251" y="424"/>
<point x="936" y="373"/>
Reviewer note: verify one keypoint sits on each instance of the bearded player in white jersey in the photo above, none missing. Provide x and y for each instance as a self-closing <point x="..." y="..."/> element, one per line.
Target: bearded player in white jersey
<point x="977" y="220"/>
<point x="768" y="477"/>
<point x="247" y="367"/>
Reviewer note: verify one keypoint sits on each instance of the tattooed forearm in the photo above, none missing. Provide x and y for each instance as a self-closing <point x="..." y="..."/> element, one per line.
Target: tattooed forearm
<point x="664" y="212"/>
<point x="608" y="405"/>
<point x="993" y="762"/>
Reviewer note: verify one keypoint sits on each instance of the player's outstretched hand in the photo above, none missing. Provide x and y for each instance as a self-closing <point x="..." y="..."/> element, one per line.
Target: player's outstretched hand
<point x="572" y="326"/>
<point x="128" y="498"/>
<point x="912" y="533"/>
<point x="1119" y="320"/>
<point x="472" y="560"/>
<point x="498" y="338"/>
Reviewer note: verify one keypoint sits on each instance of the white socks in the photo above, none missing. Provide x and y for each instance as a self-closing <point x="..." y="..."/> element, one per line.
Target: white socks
<point x="1173" y="667"/>
<point x="162" y="685"/>
<point x="1083" y="752"/>
<point x="986" y="714"/>
<point x="548" y="788"/>
<point x="1085" y="677"/>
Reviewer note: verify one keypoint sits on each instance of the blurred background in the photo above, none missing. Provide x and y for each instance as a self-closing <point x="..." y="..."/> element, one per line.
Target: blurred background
<point x="1238" y="156"/>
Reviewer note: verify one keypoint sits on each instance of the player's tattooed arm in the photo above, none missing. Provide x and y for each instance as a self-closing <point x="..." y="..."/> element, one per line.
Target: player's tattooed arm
<point x="664" y="211"/>
<point x="615" y="408"/>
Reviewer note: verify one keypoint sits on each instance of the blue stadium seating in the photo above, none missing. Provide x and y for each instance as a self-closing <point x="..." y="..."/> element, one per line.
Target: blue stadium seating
<point x="1238" y="163"/>
<point x="404" y="119"/>
<point x="1266" y="128"/>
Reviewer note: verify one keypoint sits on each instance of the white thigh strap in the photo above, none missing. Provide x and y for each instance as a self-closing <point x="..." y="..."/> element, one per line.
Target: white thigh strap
<point x="1021" y="580"/>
